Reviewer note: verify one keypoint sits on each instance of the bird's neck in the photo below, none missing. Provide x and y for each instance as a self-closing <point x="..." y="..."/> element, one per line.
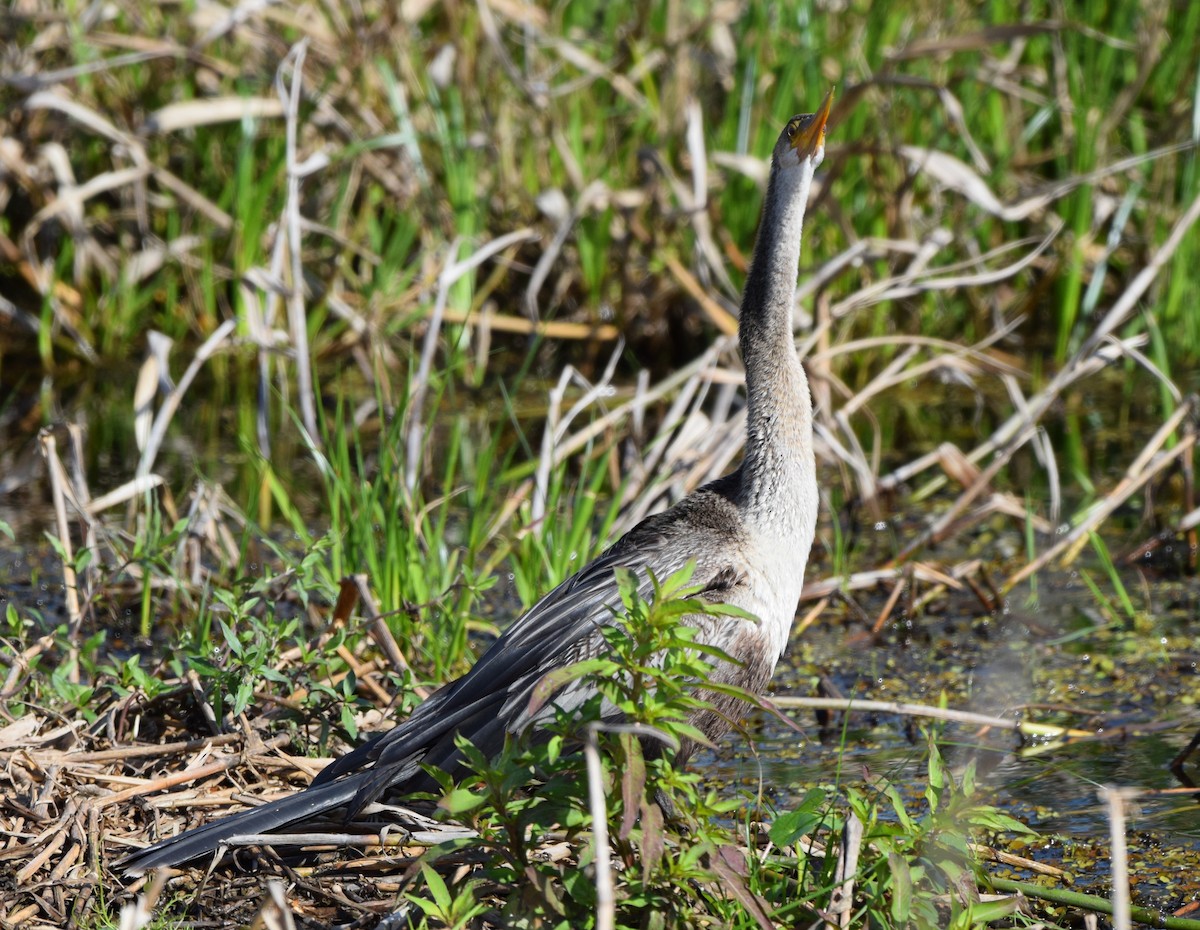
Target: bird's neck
<point x="778" y="472"/>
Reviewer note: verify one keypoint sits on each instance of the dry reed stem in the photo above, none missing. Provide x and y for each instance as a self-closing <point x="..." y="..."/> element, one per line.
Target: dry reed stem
<point x="141" y="912"/>
<point x="1115" y="800"/>
<point x="1140" y="472"/>
<point x="296" y="172"/>
<point x="857" y="581"/>
<point x="591" y="195"/>
<point x="909" y="285"/>
<point x="1127" y="302"/>
<point x="452" y="271"/>
<point x="543" y="329"/>
<point x="186" y="776"/>
<point x="606" y="907"/>
<point x="841" y="899"/>
<point x="58" y="484"/>
<point x="557" y="426"/>
<point x="721" y="318"/>
<point x="382" y="636"/>
<point x="276" y="914"/>
<point x="854" y="705"/>
<point x="189" y="114"/>
<point x="170" y="404"/>
<point x="1037" y="406"/>
<point x="1021" y="862"/>
<point x="889" y="605"/>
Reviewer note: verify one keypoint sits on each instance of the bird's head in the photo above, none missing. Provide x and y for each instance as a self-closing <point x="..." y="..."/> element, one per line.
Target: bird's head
<point x="804" y="135"/>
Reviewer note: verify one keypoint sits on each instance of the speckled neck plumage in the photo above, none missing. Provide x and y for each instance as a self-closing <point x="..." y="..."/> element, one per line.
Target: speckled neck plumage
<point x="778" y="464"/>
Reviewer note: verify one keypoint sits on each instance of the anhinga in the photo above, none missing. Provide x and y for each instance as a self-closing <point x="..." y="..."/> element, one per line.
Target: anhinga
<point x="748" y="534"/>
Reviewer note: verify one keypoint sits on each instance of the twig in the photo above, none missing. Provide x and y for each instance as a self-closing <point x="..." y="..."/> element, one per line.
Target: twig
<point x="842" y="897"/>
<point x="1021" y="862"/>
<point x="187" y="775"/>
<point x="451" y="273"/>
<point x="869" y="579"/>
<point x="1129" y="485"/>
<point x="356" y="840"/>
<point x="853" y="705"/>
<point x="939" y="530"/>
<point x="275" y="913"/>
<point x="888" y="607"/>
<point x="140" y="913"/>
<point x="591" y="194"/>
<point x="382" y="634"/>
<point x="1115" y="800"/>
<point x="606" y="908"/>
<point x="297" y="318"/>
<point x="49" y="448"/>
<point x="543" y="329"/>
<point x="555" y="428"/>
<point x="1127" y="302"/>
<point x="170" y="404"/>
<point x="1074" y="370"/>
<point x="721" y="318"/>
<point x="133" y="752"/>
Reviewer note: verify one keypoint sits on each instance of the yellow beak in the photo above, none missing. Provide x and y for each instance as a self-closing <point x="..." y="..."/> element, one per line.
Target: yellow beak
<point x="812" y="136"/>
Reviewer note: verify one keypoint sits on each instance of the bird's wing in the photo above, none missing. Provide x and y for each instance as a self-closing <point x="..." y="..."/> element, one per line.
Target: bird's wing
<point x="561" y="628"/>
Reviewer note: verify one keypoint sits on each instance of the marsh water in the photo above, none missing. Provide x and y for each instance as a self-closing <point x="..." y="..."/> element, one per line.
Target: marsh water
<point x="1045" y="651"/>
<point x="1138" y="692"/>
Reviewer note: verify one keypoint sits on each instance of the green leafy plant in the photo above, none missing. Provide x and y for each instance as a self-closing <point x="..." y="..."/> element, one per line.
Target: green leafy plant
<point x="920" y="865"/>
<point x="646" y="692"/>
<point x="671" y="849"/>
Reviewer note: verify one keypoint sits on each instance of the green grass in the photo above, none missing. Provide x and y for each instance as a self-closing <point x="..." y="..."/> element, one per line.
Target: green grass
<point x="485" y="153"/>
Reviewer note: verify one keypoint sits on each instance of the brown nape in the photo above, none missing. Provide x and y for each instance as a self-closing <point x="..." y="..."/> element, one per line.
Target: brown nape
<point x="748" y="534"/>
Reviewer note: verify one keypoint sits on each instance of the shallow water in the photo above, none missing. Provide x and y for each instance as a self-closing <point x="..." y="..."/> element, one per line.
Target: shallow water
<point x="1143" y="687"/>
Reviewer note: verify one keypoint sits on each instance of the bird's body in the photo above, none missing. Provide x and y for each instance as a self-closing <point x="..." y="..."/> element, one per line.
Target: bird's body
<point x="748" y="535"/>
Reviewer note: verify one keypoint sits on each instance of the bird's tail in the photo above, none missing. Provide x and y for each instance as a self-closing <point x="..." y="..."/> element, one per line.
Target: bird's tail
<point x="304" y="805"/>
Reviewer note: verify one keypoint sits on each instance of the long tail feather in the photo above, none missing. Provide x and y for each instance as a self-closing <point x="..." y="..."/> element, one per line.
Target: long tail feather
<point x="202" y="841"/>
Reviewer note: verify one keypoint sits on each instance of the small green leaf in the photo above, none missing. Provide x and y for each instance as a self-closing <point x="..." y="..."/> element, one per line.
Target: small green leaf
<point x="985" y="912"/>
<point x="633" y="782"/>
<point x="349" y="724"/>
<point x="789" y="827"/>
<point x="902" y="886"/>
<point x="796" y="823"/>
<point x="437" y="887"/>
<point x="460" y="801"/>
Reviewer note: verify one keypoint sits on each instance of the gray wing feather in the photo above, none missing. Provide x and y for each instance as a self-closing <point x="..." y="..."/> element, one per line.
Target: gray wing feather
<point x="563" y="627"/>
<point x="485" y="705"/>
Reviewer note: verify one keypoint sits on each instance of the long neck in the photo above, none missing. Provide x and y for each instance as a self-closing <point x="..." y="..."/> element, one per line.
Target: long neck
<point x="778" y="472"/>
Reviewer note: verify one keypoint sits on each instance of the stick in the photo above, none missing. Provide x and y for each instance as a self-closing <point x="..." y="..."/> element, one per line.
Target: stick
<point x="543" y="329"/>
<point x="606" y="908"/>
<point x="452" y="271"/>
<point x="70" y="582"/>
<point x="297" y="318"/>
<point x="1115" y="799"/>
<point x="853" y="705"/>
<point x="187" y="775"/>
<point x="842" y="898"/>
<point x="1097" y="515"/>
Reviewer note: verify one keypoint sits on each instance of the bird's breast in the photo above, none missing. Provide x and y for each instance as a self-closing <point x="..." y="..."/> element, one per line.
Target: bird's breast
<point x="775" y="577"/>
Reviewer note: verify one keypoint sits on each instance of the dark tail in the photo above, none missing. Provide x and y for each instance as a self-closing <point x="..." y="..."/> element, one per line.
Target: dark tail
<point x="304" y="805"/>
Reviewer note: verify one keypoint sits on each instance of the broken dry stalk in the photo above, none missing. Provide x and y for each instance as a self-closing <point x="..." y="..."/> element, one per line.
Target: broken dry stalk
<point x="58" y="482"/>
